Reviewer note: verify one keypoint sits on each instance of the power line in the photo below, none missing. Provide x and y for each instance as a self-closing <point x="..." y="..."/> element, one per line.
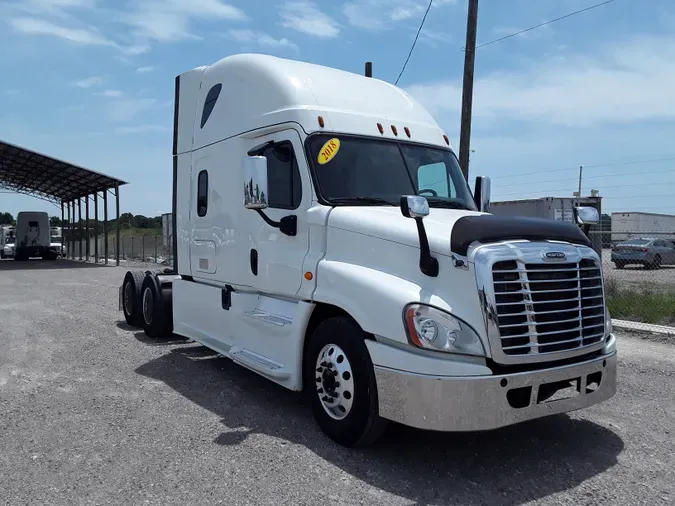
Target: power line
<point x="615" y="174"/>
<point x="412" y="48"/>
<point x="642" y="196"/>
<point x="545" y="23"/>
<point x="575" y="189"/>
<point x="595" y="166"/>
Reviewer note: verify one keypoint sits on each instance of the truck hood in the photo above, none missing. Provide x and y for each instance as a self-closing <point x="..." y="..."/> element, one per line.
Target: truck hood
<point x="389" y="224"/>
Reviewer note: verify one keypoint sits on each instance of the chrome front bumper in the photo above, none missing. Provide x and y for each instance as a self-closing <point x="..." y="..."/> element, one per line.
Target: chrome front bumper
<point x="476" y="403"/>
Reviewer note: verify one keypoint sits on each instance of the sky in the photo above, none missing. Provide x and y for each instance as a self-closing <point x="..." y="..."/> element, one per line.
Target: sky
<point x="91" y="82"/>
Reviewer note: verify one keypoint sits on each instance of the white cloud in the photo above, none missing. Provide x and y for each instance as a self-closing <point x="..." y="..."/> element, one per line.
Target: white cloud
<point x="58" y="8"/>
<point x="35" y="26"/>
<point x="262" y="39"/>
<point x="111" y="93"/>
<point x="170" y="20"/>
<point x="82" y="36"/>
<point x="88" y="82"/>
<point x="121" y="111"/>
<point x="141" y="129"/>
<point x="630" y="81"/>
<point x="144" y="70"/>
<point x="381" y="14"/>
<point x="432" y="37"/>
<point x="304" y="16"/>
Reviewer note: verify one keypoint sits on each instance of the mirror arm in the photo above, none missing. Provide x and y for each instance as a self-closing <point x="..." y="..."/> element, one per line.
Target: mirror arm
<point x="428" y="263"/>
<point x="288" y="225"/>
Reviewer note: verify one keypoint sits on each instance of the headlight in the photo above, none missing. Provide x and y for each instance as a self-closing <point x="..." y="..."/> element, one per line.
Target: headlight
<point x="433" y="329"/>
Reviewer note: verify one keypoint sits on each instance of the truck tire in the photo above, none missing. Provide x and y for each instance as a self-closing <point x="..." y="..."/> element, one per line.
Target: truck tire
<point x="156" y="308"/>
<point x="339" y="382"/>
<point x="131" y="298"/>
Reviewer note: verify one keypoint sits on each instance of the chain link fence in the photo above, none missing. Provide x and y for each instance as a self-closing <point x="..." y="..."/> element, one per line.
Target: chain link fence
<point x="149" y="249"/>
<point x="639" y="269"/>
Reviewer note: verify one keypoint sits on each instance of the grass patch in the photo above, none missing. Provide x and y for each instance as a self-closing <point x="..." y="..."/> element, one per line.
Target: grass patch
<point x="647" y="304"/>
<point x="135" y="232"/>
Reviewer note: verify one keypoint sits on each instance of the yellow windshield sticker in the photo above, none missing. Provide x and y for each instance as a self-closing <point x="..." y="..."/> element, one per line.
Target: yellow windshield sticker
<point x="329" y="150"/>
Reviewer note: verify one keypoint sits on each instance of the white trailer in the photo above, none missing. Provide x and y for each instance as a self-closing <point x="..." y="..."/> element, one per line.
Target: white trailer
<point x="33" y="236"/>
<point x="325" y="238"/>
<point x="633" y="225"/>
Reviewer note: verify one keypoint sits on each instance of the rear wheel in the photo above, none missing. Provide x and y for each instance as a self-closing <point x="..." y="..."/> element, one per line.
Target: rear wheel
<point x="656" y="264"/>
<point x="156" y="308"/>
<point x="340" y="383"/>
<point x="131" y="298"/>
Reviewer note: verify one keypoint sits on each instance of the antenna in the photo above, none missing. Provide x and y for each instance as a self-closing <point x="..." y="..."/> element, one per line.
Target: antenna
<point x="369" y="69"/>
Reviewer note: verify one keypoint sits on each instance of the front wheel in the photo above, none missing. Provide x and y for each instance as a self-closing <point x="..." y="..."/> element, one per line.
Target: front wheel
<point x="340" y="383"/>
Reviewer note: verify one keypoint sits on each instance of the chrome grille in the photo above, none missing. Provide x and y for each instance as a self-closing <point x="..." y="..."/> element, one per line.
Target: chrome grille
<point x="548" y="307"/>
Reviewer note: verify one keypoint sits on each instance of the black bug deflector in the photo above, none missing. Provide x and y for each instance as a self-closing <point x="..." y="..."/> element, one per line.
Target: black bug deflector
<point x="490" y="228"/>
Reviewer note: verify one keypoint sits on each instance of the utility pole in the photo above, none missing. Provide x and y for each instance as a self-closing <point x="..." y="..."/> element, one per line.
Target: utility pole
<point x="581" y="171"/>
<point x="467" y="87"/>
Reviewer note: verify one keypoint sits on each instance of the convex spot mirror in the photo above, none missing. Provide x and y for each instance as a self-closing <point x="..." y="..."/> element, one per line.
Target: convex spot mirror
<point x="255" y="182"/>
<point x="414" y="206"/>
<point x="586" y="215"/>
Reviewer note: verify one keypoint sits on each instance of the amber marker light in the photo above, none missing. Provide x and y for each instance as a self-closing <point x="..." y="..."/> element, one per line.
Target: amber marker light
<point x="309" y="276"/>
<point x="321" y="123"/>
<point x="410" y="324"/>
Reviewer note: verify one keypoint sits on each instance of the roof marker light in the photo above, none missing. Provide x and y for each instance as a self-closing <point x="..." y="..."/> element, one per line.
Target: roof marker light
<point x="393" y="129"/>
<point x="321" y="121"/>
<point x="380" y="128"/>
<point x="445" y="138"/>
<point x="407" y="131"/>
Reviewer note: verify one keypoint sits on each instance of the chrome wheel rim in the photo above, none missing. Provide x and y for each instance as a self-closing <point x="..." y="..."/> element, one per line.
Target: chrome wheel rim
<point x="127" y="298"/>
<point x="334" y="381"/>
<point x="147" y="306"/>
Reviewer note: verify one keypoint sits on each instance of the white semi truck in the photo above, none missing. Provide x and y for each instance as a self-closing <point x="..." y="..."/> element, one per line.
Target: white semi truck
<point x="33" y="236"/>
<point x="325" y="238"/>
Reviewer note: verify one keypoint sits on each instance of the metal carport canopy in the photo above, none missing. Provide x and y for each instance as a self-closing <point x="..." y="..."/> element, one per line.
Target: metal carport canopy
<point x="62" y="183"/>
<point x="31" y="173"/>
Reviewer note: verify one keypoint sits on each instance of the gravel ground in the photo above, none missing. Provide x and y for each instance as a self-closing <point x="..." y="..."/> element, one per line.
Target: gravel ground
<point x="92" y="412"/>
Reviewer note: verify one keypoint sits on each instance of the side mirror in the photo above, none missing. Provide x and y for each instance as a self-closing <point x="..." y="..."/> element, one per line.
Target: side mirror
<point x="481" y="193"/>
<point x="255" y="182"/>
<point x="417" y="207"/>
<point x="414" y="206"/>
<point x="586" y="215"/>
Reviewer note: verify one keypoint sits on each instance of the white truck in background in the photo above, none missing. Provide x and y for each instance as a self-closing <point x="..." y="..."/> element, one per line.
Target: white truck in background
<point x="7" y="239"/>
<point x="33" y="236"/>
<point x="636" y="225"/>
<point x="325" y="238"/>
<point x="56" y="240"/>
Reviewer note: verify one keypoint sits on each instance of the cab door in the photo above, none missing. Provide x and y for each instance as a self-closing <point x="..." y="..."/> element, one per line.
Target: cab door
<point x="202" y="245"/>
<point x="276" y="259"/>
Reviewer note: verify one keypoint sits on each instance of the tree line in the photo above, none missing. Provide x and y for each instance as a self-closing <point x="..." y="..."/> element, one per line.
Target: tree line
<point x="126" y="221"/>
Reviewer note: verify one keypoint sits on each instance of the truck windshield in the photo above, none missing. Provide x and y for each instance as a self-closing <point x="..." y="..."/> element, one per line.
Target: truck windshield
<point x="363" y="171"/>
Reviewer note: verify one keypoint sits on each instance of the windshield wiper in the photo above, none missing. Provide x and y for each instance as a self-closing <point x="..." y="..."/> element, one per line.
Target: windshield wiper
<point x="362" y="200"/>
<point x="448" y="204"/>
